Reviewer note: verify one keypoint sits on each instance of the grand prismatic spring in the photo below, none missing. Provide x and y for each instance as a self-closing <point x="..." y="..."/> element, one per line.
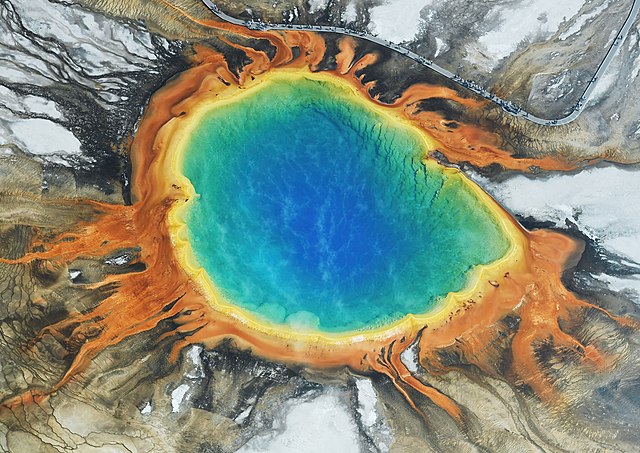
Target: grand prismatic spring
<point x="313" y="209"/>
<point x="292" y="211"/>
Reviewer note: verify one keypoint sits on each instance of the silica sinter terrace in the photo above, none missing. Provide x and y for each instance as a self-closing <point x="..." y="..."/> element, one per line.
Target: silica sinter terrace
<point x="318" y="212"/>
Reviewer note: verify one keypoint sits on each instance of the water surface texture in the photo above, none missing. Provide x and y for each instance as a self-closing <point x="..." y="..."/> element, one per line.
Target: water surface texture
<point x="319" y="212"/>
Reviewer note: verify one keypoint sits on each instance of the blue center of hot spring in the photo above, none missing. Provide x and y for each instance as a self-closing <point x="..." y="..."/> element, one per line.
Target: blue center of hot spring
<point x="315" y="211"/>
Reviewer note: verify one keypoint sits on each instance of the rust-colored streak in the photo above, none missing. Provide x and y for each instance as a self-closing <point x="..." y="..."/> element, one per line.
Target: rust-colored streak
<point x="259" y="60"/>
<point x="344" y="58"/>
<point x="311" y="45"/>
<point x="395" y="365"/>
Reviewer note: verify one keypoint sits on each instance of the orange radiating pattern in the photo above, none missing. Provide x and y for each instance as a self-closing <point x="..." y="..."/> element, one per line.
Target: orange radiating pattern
<point x="528" y="286"/>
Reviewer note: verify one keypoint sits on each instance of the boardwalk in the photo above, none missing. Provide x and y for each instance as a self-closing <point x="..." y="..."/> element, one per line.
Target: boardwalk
<point x="507" y="106"/>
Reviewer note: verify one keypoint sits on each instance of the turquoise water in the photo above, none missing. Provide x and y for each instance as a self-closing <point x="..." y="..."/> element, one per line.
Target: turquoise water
<point x="316" y="212"/>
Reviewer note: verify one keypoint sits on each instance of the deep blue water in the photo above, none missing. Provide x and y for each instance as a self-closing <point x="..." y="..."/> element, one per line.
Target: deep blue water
<point x="313" y="209"/>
